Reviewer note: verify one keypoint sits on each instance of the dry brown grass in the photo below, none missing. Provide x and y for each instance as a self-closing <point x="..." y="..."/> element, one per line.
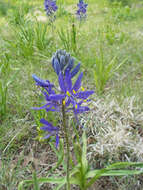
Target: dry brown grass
<point x="115" y="130"/>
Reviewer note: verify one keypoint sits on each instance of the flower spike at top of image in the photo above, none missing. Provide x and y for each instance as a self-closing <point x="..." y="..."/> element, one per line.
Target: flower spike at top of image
<point x="82" y="9"/>
<point x="50" y="7"/>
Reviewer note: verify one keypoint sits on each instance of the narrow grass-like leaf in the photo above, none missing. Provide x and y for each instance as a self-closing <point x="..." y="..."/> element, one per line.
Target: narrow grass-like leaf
<point x="84" y="161"/>
<point x="120" y="165"/>
<point x="91" y="174"/>
<point x="60" y="154"/>
<point x="52" y="180"/>
<point x="35" y="182"/>
<point x="110" y="170"/>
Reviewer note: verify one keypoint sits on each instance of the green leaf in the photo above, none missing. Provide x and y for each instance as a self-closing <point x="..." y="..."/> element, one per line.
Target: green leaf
<point x="60" y="154"/>
<point x="77" y="151"/>
<point x="84" y="161"/>
<point x="35" y="182"/>
<point x="91" y="174"/>
<point x="98" y="174"/>
<point x="20" y="186"/>
<point x="120" y="165"/>
<point x="52" y="180"/>
<point x="110" y="171"/>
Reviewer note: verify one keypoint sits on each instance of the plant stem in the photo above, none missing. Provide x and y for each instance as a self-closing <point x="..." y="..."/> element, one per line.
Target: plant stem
<point x="67" y="144"/>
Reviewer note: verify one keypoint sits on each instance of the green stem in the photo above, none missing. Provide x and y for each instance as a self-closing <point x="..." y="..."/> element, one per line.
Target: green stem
<point x="67" y="145"/>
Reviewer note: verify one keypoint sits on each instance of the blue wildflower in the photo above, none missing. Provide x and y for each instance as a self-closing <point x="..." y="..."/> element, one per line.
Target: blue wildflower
<point x="82" y="9"/>
<point x="48" y="90"/>
<point x="52" y="130"/>
<point x="50" y="8"/>
<point x="70" y="94"/>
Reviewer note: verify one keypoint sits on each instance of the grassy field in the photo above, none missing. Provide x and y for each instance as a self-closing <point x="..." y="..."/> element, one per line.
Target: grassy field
<point x="109" y="46"/>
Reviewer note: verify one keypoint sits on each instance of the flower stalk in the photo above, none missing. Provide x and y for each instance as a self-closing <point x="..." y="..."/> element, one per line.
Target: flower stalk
<point x="65" y="129"/>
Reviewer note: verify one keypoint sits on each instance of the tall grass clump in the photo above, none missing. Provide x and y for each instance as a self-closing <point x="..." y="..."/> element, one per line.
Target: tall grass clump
<point x="5" y="80"/>
<point x="68" y="37"/>
<point x="104" y="71"/>
<point x="41" y="35"/>
<point x="25" y="39"/>
<point x="17" y="13"/>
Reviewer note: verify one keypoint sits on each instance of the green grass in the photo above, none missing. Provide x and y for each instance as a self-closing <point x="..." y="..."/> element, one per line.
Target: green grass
<point x="29" y="45"/>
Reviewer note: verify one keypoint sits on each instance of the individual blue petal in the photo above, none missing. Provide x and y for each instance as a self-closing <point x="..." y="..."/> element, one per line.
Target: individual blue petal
<point x="84" y="94"/>
<point x="39" y="108"/>
<point x="68" y="80"/>
<point x="62" y="61"/>
<point x="40" y="82"/>
<point x="61" y="82"/>
<point x="70" y="64"/>
<point x="77" y="84"/>
<point x="45" y="122"/>
<point x="81" y="109"/>
<point x="75" y="70"/>
<point x="57" y="97"/>
<point x="49" y="129"/>
<point x="57" y="67"/>
<point x="47" y="136"/>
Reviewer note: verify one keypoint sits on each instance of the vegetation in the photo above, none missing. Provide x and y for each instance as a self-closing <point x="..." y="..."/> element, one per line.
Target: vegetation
<point x="109" y="46"/>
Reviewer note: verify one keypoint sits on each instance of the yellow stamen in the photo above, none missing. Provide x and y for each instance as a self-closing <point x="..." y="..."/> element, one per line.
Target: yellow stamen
<point x="76" y="106"/>
<point x="74" y="91"/>
<point x="68" y="93"/>
<point x="85" y="100"/>
<point x="82" y="88"/>
<point x="64" y="102"/>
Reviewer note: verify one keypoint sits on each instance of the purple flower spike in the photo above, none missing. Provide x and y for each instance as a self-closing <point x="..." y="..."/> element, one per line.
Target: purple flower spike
<point x="52" y="130"/>
<point x="71" y="96"/>
<point x="82" y="8"/>
<point x="50" y="7"/>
